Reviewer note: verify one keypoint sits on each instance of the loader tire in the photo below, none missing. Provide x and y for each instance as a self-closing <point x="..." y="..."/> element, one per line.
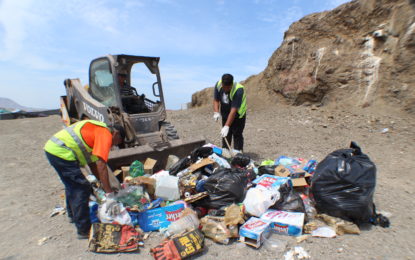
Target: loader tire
<point x="171" y="131"/>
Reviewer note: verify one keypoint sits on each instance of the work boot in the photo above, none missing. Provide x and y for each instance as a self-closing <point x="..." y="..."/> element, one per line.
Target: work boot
<point x="83" y="235"/>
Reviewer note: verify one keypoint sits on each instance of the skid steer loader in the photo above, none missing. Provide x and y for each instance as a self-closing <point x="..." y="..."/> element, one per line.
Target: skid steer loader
<point x="127" y="90"/>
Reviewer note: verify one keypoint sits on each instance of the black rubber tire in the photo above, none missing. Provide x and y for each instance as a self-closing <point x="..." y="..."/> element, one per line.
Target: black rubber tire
<point x="171" y="131"/>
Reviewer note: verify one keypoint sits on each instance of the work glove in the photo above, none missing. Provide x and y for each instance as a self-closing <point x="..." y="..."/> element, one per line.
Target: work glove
<point x="216" y="116"/>
<point x="165" y="251"/>
<point x="225" y="131"/>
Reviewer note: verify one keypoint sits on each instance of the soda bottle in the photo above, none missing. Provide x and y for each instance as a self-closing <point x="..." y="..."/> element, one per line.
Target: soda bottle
<point x="136" y="169"/>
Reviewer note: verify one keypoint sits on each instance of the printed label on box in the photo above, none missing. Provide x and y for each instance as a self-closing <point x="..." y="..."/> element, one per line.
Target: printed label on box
<point x="154" y="219"/>
<point x="283" y="222"/>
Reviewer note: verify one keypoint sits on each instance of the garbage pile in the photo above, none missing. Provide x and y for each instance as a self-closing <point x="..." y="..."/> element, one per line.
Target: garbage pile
<point x="211" y="195"/>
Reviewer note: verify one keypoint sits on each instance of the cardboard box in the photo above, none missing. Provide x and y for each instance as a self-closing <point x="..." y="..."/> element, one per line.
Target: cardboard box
<point x="149" y="165"/>
<point x="284" y="222"/>
<point x="154" y="219"/>
<point x="125" y="171"/>
<point x="270" y="181"/>
<point x="282" y="171"/>
<point x="254" y="232"/>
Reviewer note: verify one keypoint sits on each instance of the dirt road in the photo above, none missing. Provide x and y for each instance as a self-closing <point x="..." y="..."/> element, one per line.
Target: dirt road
<point x="30" y="189"/>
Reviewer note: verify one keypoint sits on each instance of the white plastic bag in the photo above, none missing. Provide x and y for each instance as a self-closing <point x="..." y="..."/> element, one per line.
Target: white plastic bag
<point x="257" y="201"/>
<point x="112" y="211"/>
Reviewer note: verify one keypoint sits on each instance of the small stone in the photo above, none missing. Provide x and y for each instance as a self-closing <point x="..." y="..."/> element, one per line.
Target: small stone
<point x="340" y="250"/>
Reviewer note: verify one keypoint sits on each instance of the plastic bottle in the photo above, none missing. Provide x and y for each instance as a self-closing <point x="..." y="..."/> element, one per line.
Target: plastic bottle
<point x="136" y="169"/>
<point x="187" y="222"/>
<point x="310" y="210"/>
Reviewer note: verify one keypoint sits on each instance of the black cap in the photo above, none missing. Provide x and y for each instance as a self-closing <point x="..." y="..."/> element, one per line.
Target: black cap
<point x="227" y="79"/>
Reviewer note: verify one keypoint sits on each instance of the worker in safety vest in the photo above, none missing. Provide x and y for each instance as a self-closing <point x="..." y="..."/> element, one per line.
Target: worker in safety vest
<point x="85" y="142"/>
<point x="230" y="98"/>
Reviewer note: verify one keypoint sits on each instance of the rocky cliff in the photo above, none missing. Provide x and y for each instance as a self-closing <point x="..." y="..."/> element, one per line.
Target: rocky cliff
<point x="362" y="53"/>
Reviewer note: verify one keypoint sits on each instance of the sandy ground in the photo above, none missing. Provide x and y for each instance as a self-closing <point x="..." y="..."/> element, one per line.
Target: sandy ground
<point x="30" y="189"/>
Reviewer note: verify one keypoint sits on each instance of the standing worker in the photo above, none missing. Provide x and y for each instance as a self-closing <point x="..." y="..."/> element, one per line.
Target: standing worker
<point x="230" y="97"/>
<point x="85" y="142"/>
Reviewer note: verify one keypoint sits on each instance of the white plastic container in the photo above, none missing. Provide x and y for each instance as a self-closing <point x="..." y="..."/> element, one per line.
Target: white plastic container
<point x="185" y="223"/>
<point x="167" y="188"/>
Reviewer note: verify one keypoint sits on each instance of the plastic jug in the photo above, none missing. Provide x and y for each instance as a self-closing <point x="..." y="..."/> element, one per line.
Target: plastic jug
<point x="167" y="188"/>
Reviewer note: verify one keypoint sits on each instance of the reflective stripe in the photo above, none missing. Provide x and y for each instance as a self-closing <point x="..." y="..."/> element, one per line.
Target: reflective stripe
<point x="80" y="144"/>
<point x="235" y="87"/>
<point x="63" y="145"/>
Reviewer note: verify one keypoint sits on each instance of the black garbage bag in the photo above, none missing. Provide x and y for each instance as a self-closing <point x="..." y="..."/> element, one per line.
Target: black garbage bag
<point x="225" y="186"/>
<point x="343" y="186"/>
<point x="289" y="200"/>
<point x="201" y="152"/>
<point x="266" y="169"/>
<point x="240" y="160"/>
<point x="180" y="165"/>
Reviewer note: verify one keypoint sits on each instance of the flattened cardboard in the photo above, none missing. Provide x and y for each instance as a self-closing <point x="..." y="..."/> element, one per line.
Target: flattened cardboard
<point x="202" y="163"/>
<point x="300" y="182"/>
<point x="281" y="171"/>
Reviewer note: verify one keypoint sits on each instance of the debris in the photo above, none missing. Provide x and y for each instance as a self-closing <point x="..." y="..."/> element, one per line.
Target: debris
<point x="58" y="210"/>
<point x="42" y="241"/>
<point x="340" y="226"/>
<point x="385" y="130"/>
<point x="215" y="229"/>
<point x="302" y="238"/>
<point x="146" y="235"/>
<point x="275" y="245"/>
<point x="297" y="251"/>
<point x="324" y="232"/>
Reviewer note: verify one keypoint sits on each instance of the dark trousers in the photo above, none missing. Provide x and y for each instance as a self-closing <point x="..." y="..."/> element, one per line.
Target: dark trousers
<point x="235" y="131"/>
<point x="77" y="191"/>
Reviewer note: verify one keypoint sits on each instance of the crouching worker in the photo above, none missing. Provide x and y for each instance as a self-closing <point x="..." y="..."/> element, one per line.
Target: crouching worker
<point x="85" y="142"/>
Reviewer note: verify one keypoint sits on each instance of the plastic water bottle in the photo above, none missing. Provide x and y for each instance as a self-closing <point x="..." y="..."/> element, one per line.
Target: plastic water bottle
<point x="187" y="222"/>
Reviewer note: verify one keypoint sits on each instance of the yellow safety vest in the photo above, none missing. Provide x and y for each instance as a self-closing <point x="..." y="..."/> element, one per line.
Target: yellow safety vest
<point x="235" y="87"/>
<point x="69" y="145"/>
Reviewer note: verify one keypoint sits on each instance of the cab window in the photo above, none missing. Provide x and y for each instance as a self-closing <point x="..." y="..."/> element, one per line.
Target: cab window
<point x="101" y="85"/>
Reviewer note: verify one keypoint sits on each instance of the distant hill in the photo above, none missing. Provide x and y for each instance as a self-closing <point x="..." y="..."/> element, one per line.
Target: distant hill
<point x="8" y="104"/>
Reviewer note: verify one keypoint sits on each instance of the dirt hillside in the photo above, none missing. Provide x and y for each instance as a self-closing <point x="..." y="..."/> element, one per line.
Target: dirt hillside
<point x="361" y="54"/>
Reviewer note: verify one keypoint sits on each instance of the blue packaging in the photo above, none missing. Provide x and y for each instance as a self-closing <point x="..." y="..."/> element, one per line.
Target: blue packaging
<point x="154" y="219"/>
<point x="310" y="167"/>
<point x="271" y="181"/>
<point x="217" y="150"/>
<point x="93" y="209"/>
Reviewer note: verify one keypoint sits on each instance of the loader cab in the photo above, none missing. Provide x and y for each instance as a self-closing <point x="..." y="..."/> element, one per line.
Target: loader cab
<point x="131" y="83"/>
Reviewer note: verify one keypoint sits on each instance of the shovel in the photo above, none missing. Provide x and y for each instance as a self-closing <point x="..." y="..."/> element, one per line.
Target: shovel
<point x="227" y="143"/>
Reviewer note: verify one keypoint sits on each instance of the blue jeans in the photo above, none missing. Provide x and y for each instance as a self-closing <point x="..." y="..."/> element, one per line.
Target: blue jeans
<point x="77" y="191"/>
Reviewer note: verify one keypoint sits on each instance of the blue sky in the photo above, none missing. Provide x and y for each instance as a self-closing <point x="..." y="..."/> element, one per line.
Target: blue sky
<point x="44" y="42"/>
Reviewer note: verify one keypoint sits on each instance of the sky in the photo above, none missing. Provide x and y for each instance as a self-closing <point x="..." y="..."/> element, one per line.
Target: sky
<point x="43" y="42"/>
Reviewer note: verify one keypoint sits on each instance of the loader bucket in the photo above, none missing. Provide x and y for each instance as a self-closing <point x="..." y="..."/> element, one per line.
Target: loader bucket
<point x="180" y="148"/>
